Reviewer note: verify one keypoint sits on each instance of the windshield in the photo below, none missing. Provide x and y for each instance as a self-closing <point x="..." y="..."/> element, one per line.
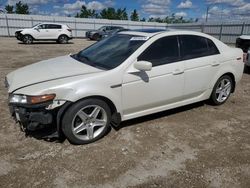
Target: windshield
<point x="35" y="25"/>
<point x="101" y="28"/>
<point x="110" y="52"/>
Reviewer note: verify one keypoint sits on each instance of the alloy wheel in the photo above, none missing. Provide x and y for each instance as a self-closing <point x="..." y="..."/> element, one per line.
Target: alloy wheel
<point x="89" y="122"/>
<point x="223" y="90"/>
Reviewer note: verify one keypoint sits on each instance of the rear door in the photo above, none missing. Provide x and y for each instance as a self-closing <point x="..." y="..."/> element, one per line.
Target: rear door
<point x="53" y="31"/>
<point x="199" y="55"/>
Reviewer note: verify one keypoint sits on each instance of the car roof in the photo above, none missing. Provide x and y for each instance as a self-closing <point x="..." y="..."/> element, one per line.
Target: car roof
<point x="51" y="23"/>
<point x="153" y="32"/>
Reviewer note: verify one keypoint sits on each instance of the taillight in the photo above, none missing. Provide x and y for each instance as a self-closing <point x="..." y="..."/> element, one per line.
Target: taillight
<point x="245" y="57"/>
<point x="70" y="30"/>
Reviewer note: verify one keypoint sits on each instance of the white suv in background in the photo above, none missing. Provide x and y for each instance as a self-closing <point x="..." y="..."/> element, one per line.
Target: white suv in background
<point x="44" y="32"/>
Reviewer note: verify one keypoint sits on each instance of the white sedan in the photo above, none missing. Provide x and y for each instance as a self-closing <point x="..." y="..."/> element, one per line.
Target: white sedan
<point x="128" y="75"/>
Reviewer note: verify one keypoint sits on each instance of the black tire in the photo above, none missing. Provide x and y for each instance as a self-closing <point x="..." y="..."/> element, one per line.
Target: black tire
<point x="27" y="39"/>
<point x="63" y="39"/>
<point x="215" y="96"/>
<point x="72" y="121"/>
<point x="96" y="36"/>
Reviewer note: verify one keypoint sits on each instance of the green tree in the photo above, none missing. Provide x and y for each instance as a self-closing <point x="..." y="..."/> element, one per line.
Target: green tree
<point x="121" y="14"/>
<point x="77" y="15"/>
<point x="87" y="13"/>
<point x="134" y="16"/>
<point x="143" y="20"/>
<point x="108" y="13"/>
<point x="9" y="9"/>
<point x="22" y="8"/>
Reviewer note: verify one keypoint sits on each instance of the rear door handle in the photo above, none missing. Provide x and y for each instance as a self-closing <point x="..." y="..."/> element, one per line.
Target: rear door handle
<point x="177" y="72"/>
<point x="215" y="63"/>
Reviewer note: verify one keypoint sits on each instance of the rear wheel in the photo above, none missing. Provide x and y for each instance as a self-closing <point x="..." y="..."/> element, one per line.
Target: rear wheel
<point x="222" y="90"/>
<point x="27" y="39"/>
<point x="86" y="121"/>
<point x="63" y="39"/>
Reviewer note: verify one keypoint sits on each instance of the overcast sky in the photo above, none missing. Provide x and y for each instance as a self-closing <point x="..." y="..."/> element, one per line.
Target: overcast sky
<point x="218" y="9"/>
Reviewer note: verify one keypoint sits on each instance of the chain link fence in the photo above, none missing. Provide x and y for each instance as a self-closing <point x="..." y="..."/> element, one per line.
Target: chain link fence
<point x="226" y="32"/>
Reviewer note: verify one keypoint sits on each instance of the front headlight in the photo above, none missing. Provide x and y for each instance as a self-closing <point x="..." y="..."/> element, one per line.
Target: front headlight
<point x="26" y="99"/>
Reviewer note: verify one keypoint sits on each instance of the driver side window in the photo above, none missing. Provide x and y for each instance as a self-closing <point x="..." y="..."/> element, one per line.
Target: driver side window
<point x="41" y="26"/>
<point x="163" y="51"/>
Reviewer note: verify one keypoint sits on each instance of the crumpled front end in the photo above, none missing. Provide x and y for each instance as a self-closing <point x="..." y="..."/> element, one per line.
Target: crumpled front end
<point x="19" y="35"/>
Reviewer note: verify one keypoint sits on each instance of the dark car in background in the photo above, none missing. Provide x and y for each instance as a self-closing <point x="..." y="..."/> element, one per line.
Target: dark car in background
<point x="103" y="31"/>
<point x="243" y="42"/>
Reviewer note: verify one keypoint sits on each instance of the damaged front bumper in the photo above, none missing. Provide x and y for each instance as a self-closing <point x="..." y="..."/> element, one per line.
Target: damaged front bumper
<point x="32" y="117"/>
<point x="19" y="35"/>
<point x="39" y="116"/>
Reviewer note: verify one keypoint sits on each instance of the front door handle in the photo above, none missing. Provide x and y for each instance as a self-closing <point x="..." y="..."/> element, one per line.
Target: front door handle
<point x="177" y="72"/>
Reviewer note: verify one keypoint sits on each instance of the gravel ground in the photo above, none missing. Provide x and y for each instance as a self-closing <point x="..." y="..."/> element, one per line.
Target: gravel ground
<point x="194" y="146"/>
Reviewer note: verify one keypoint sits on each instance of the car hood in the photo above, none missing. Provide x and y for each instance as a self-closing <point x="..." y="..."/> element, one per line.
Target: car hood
<point x="19" y="30"/>
<point x="52" y="69"/>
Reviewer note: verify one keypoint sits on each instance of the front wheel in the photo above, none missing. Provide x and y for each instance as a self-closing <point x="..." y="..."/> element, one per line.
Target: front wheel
<point x="86" y="121"/>
<point x="96" y="36"/>
<point x="222" y="90"/>
<point x="27" y="39"/>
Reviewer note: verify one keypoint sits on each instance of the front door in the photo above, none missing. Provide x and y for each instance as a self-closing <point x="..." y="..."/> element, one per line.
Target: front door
<point x="142" y="91"/>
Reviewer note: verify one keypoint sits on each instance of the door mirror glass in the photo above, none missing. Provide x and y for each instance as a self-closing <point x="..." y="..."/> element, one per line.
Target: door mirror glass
<point x="143" y="65"/>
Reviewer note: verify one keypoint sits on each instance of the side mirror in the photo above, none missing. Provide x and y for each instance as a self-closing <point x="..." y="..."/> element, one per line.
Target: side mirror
<point x="36" y="29"/>
<point x="143" y="65"/>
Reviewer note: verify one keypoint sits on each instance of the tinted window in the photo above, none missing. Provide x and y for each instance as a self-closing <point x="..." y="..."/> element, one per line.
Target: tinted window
<point x="43" y="26"/>
<point x="108" y="28"/>
<point x="195" y="46"/>
<point x="212" y="48"/>
<point x="110" y="52"/>
<point x="162" y="51"/>
<point x="54" y="26"/>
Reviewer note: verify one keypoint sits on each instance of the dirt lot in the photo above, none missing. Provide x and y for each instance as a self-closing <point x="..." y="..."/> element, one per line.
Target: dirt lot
<point x="194" y="146"/>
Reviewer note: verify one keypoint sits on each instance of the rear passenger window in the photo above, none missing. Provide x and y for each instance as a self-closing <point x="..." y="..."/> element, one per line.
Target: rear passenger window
<point x="213" y="50"/>
<point x="54" y="26"/>
<point x="162" y="51"/>
<point x="195" y="46"/>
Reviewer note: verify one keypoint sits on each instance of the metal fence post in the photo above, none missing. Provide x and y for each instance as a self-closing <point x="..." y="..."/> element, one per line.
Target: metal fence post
<point x="221" y="26"/>
<point x="7" y="25"/>
<point x="75" y="28"/>
<point x="242" y="28"/>
<point x="32" y="23"/>
<point x="202" y="27"/>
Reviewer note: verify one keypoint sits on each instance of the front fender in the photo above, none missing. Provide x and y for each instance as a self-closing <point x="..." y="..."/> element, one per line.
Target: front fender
<point x="113" y="94"/>
<point x="72" y="89"/>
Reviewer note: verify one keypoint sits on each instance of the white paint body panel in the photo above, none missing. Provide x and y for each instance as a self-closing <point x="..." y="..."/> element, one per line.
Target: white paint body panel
<point x="139" y="93"/>
<point x="47" y="34"/>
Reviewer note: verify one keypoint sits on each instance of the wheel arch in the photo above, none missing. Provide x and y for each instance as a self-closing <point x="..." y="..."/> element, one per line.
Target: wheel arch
<point x="62" y="34"/>
<point x="28" y="35"/>
<point x="115" y="115"/>
<point x="231" y="75"/>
